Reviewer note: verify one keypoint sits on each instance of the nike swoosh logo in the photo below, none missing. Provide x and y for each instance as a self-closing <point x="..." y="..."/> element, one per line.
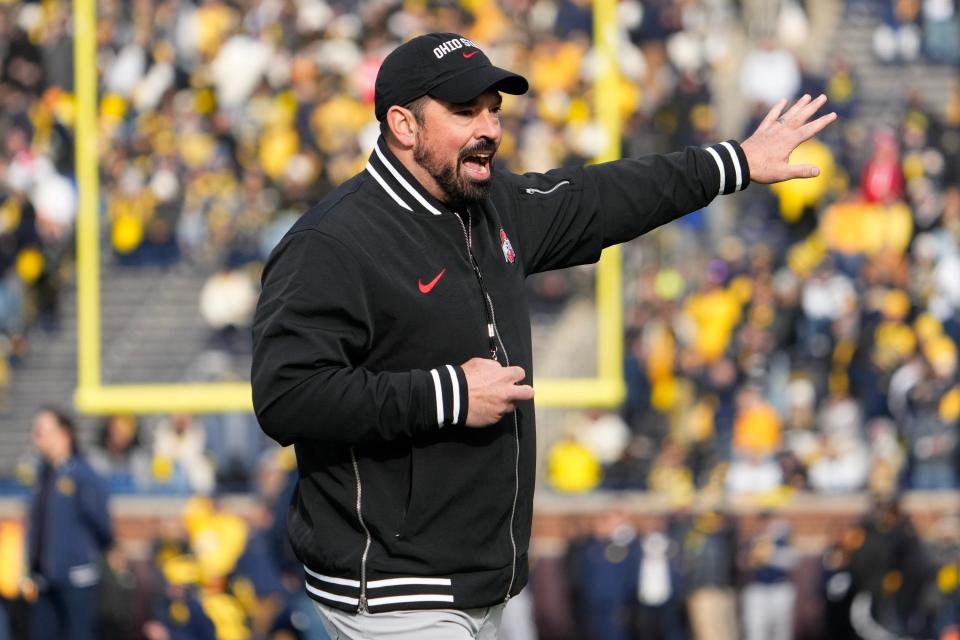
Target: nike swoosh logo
<point x="427" y="288"/>
<point x="470" y="55"/>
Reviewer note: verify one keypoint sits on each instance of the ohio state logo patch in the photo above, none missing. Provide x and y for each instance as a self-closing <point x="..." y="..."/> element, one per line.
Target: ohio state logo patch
<point x="508" y="253"/>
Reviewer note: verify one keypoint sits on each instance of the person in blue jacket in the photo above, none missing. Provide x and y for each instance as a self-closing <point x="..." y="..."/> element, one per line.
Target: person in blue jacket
<point x="69" y="528"/>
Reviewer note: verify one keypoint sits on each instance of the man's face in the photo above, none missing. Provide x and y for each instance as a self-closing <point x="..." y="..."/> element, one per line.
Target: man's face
<point x="456" y="144"/>
<point x="49" y="439"/>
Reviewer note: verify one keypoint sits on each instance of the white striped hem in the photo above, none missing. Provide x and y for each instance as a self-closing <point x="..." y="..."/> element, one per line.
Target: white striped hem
<point x="736" y="164"/>
<point x="403" y="181"/>
<point x="439" y="391"/>
<point x="332" y="596"/>
<point x="426" y="597"/>
<point x="716" y="156"/>
<point x="456" y="394"/>
<point x="386" y="187"/>
<point x="377" y="584"/>
<point x="319" y="576"/>
<point x="396" y="582"/>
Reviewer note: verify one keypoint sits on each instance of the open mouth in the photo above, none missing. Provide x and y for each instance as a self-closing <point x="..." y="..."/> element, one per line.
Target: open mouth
<point x="477" y="165"/>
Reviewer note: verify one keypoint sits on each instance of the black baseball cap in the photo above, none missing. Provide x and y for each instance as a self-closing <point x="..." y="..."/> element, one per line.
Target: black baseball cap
<point x="442" y="65"/>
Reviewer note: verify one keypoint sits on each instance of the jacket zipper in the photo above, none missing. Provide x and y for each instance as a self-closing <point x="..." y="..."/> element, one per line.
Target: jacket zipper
<point x="488" y="307"/>
<point x="531" y="190"/>
<point x="362" y="605"/>
<point x="493" y="332"/>
<point x="516" y="466"/>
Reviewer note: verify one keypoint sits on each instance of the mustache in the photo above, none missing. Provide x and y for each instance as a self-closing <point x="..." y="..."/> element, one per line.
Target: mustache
<point x="484" y="146"/>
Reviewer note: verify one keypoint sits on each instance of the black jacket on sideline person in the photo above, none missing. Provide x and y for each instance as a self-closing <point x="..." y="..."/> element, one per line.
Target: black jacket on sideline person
<point x="370" y="303"/>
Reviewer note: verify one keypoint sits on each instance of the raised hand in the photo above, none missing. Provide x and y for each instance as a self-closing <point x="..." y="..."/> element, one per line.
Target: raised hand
<point x="493" y="390"/>
<point x="768" y="149"/>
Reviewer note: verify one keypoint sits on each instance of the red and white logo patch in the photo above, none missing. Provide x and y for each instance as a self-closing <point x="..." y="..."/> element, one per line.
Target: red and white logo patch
<point x="508" y="253"/>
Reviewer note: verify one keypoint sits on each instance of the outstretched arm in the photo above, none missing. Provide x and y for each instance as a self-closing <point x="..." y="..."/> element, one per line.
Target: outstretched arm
<point x="768" y="149"/>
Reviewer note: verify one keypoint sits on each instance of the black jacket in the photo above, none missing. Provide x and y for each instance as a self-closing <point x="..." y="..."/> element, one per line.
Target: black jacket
<point x="370" y="304"/>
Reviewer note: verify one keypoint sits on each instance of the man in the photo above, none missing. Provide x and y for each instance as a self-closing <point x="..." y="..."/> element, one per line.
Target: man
<point x="69" y="529"/>
<point x="769" y="596"/>
<point x="392" y="339"/>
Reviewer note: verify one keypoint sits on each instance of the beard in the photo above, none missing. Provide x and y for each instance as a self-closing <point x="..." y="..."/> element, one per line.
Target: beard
<point x="459" y="190"/>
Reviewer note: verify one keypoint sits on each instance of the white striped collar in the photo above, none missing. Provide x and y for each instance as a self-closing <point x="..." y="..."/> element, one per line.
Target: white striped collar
<point x="399" y="184"/>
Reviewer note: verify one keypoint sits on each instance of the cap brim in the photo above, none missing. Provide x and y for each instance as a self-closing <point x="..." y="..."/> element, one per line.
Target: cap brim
<point x="466" y="86"/>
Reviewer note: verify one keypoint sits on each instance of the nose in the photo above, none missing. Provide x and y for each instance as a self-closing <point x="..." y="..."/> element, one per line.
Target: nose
<point x="488" y="126"/>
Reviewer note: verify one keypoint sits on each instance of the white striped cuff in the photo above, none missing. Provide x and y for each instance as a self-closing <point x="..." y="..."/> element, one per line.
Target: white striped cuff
<point x="731" y="165"/>
<point x="450" y="395"/>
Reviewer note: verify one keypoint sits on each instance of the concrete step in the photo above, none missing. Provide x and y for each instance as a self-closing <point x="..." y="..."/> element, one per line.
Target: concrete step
<point x="151" y="330"/>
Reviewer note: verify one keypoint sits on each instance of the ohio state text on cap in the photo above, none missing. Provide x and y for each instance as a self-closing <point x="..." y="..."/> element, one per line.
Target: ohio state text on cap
<point x="442" y="65"/>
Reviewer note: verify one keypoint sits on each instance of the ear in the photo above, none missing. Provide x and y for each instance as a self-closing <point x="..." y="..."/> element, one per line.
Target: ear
<point x="402" y="125"/>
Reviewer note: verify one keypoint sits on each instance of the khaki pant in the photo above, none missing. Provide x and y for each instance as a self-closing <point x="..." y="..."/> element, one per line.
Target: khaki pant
<point x="434" y="624"/>
<point x="713" y="613"/>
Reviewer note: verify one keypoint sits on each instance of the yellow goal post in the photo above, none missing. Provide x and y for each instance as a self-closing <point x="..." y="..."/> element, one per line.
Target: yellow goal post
<point x="92" y="396"/>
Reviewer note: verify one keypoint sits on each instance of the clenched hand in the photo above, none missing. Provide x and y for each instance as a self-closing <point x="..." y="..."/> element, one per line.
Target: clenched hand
<point x="493" y="390"/>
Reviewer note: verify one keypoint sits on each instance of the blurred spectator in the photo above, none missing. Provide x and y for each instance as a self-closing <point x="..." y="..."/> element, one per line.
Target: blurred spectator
<point x="709" y="552"/>
<point x="944" y="597"/>
<point x="227" y="301"/>
<point x="882" y="180"/>
<point x="180" y="461"/>
<point x="886" y="457"/>
<point x="891" y="570"/>
<point x="572" y="467"/>
<point x="605" y="435"/>
<point x="661" y="590"/>
<point x="670" y="476"/>
<point x="234" y="443"/>
<point x="837" y="587"/>
<point x="119" y="457"/>
<point x="932" y="415"/>
<point x="607" y="566"/>
<point x="256" y="578"/>
<point x="769" y="595"/>
<point x="897" y="39"/>
<point x="941" y="31"/>
<point x="179" y="614"/>
<point x="841" y="466"/>
<point x="11" y="572"/>
<point x="754" y="469"/>
<point x="632" y="470"/>
<point x="769" y="74"/>
<point x="123" y="597"/>
<point x="69" y="529"/>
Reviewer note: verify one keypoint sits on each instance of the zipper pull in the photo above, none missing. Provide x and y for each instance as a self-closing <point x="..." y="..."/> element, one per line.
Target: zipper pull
<point x="363" y="604"/>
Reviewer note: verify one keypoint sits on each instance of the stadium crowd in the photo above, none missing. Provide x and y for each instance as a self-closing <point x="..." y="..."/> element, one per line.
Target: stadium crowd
<point x="803" y="338"/>
<point x="225" y="570"/>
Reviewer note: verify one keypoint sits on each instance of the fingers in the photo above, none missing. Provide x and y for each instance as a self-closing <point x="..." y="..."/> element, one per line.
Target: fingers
<point x="517" y="394"/>
<point x="811" y="108"/>
<point x="773" y="114"/>
<point x="791" y="114"/>
<point x="802" y="110"/>
<point x="514" y="374"/>
<point x="494" y="390"/>
<point x="813" y="128"/>
<point x="806" y="107"/>
<point x="803" y="171"/>
<point x="520" y="392"/>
